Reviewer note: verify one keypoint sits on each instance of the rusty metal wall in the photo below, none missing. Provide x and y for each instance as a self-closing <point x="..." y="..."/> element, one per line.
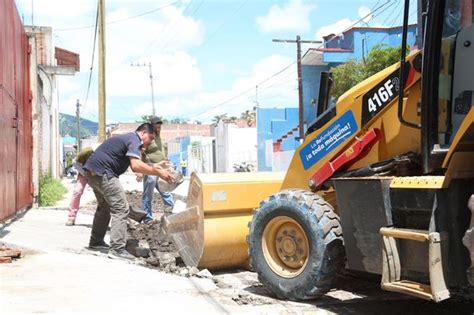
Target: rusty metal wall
<point x="15" y="114"/>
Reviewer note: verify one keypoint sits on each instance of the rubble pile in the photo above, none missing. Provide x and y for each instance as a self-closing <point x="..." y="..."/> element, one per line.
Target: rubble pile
<point x="7" y="254"/>
<point x="149" y="241"/>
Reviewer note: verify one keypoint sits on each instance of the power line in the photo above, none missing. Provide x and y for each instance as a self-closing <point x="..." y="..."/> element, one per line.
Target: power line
<point x="118" y="21"/>
<point x="93" y="57"/>
<point x="229" y="18"/>
<point x="287" y="67"/>
<point x="168" y="26"/>
<point x="396" y="18"/>
<point x="173" y="34"/>
<point x="242" y="93"/>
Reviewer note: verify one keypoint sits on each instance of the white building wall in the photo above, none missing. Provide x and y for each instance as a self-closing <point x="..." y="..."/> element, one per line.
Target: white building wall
<point x="221" y="148"/>
<point x="45" y="138"/>
<point x="45" y="107"/>
<point x="241" y="146"/>
<point x="47" y="152"/>
<point x="234" y="145"/>
<point x="281" y="160"/>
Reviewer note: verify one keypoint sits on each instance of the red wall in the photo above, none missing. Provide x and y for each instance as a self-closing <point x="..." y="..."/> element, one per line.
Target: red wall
<point x="16" y="189"/>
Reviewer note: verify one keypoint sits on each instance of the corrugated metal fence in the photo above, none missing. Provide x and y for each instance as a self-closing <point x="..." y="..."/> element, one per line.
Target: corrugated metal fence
<point x="16" y="188"/>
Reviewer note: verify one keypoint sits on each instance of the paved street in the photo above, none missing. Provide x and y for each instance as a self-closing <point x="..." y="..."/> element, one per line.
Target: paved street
<point x="58" y="275"/>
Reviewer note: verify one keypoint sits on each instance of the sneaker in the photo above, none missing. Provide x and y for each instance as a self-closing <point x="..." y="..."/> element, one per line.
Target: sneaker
<point x="98" y="245"/>
<point x="70" y="222"/>
<point x="123" y="254"/>
<point x="148" y="220"/>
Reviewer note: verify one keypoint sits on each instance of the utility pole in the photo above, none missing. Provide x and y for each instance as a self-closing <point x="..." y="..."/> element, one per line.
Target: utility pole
<point x="256" y="97"/>
<point x="152" y="93"/>
<point x="150" y="72"/>
<point x="78" y="121"/>
<point x="102" y="98"/>
<point x="298" y="42"/>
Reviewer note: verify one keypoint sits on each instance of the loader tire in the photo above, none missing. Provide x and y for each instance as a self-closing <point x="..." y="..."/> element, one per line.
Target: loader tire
<point x="296" y="245"/>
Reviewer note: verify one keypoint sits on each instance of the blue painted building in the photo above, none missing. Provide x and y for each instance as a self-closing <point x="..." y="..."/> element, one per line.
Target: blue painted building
<point x="275" y="126"/>
<point x="178" y="150"/>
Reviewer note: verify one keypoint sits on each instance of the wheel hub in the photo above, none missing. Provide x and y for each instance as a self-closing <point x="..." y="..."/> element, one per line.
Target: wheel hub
<point x="286" y="246"/>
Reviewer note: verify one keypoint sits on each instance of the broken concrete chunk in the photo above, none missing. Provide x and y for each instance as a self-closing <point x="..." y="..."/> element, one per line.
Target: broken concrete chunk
<point x="204" y="274"/>
<point x="5" y="260"/>
<point x="165" y="258"/>
<point x="193" y="271"/>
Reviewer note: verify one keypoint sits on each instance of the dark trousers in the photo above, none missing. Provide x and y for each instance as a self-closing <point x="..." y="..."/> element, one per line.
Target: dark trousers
<point x="111" y="203"/>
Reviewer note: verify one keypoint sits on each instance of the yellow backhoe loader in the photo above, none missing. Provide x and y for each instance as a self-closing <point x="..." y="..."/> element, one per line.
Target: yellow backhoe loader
<point x="383" y="182"/>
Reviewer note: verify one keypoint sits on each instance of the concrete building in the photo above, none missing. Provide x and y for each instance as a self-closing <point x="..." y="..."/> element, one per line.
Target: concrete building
<point x="46" y="63"/>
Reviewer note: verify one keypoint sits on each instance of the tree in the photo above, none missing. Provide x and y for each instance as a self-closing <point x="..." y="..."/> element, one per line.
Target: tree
<point x="249" y="116"/>
<point x="218" y="118"/>
<point x="346" y="76"/>
<point x="381" y="57"/>
<point x="178" y="120"/>
<point x="353" y="72"/>
<point x="146" y="118"/>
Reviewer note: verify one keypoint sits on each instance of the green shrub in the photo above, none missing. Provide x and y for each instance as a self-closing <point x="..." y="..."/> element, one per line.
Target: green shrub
<point x="50" y="191"/>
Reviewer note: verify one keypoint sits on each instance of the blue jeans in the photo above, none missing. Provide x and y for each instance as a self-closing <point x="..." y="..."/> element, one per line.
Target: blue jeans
<point x="150" y="182"/>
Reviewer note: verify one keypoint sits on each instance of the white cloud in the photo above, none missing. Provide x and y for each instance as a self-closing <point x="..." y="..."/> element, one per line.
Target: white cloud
<point x="173" y="73"/>
<point x="334" y="28"/>
<point x="45" y="9"/>
<point x="163" y="38"/>
<point x="344" y="24"/>
<point x="294" y="17"/>
<point x="278" y="91"/>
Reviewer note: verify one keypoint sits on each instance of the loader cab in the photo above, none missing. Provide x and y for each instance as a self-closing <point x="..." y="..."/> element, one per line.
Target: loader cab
<point x="447" y="83"/>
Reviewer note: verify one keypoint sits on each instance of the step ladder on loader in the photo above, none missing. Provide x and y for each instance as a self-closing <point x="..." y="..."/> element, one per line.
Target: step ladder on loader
<point x="391" y="281"/>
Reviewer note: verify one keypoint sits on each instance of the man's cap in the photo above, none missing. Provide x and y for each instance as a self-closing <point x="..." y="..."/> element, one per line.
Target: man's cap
<point x="155" y="120"/>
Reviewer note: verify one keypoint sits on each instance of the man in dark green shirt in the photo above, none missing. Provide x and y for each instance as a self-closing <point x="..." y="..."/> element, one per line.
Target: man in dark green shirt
<point x="154" y="153"/>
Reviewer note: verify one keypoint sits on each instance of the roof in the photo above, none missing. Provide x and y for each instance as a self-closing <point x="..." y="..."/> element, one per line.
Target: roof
<point x="332" y="49"/>
<point x="367" y="28"/>
<point x="67" y="58"/>
<point x="168" y="131"/>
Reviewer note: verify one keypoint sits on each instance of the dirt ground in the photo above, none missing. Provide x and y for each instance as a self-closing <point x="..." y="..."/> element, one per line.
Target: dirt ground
<point x="354" y="294"/>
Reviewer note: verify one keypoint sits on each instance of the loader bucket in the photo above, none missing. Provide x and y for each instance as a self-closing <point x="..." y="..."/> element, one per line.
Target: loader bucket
<point x="211" y="233"/>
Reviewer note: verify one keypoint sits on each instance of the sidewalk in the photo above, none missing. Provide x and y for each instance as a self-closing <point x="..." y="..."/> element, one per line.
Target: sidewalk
<point x="58" y="275"/>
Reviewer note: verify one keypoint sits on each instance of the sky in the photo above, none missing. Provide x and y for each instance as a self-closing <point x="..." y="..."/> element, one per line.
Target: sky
<point x="208" y="57"/>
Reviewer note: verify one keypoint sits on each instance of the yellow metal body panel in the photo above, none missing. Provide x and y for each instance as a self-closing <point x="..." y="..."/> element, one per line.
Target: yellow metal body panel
<point x="211" y="233"/>
<point x="463" y="139"/>
<point x="230" y="192"/>
<point x="396" y="138"/>
<point x="418" y="182"/>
